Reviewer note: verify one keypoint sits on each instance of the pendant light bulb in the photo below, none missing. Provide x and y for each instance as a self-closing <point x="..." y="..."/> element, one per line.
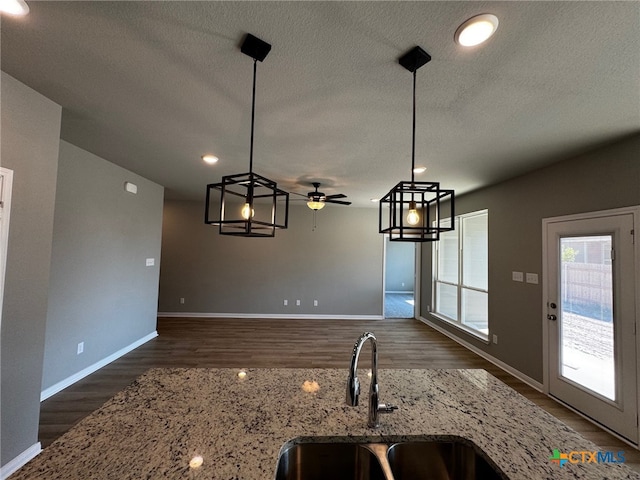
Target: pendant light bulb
<point x="247" y="211"/>
<point x="412" y="217"/>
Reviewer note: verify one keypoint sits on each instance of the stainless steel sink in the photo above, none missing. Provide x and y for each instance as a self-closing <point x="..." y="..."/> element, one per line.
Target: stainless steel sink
<point x="322" y="461"/>
<point x="455" y="459"/>
<point x="438" y="460"/>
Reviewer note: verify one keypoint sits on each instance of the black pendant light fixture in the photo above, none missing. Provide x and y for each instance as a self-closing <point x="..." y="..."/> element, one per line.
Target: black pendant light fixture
<point x="248" y="201"/>
<point x="416" y="210"/>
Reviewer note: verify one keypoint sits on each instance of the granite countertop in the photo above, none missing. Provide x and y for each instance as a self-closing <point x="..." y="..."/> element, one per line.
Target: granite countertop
<point x="157" y="425"/>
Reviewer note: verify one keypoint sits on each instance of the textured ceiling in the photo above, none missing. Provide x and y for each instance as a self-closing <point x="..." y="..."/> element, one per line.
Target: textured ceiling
<point x="151" y="86"/>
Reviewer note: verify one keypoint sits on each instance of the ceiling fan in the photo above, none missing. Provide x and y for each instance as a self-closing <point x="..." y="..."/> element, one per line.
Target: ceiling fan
<point x="316" y="200"/>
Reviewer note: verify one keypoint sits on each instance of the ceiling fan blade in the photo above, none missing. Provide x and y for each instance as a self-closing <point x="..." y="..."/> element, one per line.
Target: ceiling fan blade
<point x="296" y="193"/>
<point x="339" y="202"/>
<point x="337" y="195"/>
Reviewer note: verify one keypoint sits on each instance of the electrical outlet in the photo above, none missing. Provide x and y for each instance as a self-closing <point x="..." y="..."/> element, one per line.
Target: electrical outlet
<point x="517" y="276"/>
<point x="285" y="303"/>
<point x="150" y="262"/>
<point x="297" y="303"/>
<point x="315" y="303"/>
<point x="495" y="338"/>
<point x="80" y="348"/>
<point x="181" y="300"/>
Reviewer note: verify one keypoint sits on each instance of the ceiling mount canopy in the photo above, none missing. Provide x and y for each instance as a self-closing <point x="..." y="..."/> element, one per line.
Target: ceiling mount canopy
<point x="248" y="202"/>
<point x="416" y="210"/>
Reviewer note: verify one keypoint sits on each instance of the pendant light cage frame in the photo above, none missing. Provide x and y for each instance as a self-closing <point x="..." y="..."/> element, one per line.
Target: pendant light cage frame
<point x="426" y="202"/>
<point x="262" y="197"/>
<point x="250" y="205"/>
<point x="432" y="204"/>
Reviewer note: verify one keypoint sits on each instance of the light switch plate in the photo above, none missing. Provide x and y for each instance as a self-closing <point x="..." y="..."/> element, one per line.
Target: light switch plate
<point x="517" y="276"/>
<point x="151" y="262"/>
<point x="532" y="278"/>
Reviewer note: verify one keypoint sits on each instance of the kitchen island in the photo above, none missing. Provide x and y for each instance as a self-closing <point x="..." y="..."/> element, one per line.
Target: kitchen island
<point x="231" y="424"/>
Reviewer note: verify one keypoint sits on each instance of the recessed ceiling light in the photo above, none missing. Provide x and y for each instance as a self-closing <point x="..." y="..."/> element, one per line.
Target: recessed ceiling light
<point x="14" y="7"/>
<point x="420" y="169"/>
<point x="476" y="30"/>
<point x="210" y="159"/>
<point x="375" y="200"/>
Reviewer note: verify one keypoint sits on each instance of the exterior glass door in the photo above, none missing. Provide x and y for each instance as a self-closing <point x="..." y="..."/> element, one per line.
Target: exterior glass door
<point x="590" y="300"/>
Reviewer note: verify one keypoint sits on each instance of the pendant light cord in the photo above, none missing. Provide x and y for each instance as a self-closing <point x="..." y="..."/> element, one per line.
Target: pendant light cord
<point x="253" y="114"/>
<point x="413" y="144"/>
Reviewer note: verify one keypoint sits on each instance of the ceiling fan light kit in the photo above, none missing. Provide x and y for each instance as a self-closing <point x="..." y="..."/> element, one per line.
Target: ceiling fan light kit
<point x="315" y="205"/>
<point x="248" y="202"/>
<point x="415" y="211"/>
<point x="316" y="200"/>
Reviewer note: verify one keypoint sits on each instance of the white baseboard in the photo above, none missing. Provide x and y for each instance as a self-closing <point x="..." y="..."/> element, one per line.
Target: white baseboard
<point x="269" y="315"/>
<point x="21" y="460"/>
<point x="498" y="363"/>
<point x="52" y="390"/>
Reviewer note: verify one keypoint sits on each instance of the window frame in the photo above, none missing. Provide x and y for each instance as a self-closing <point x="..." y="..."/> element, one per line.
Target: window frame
<point x="459" y="285"/>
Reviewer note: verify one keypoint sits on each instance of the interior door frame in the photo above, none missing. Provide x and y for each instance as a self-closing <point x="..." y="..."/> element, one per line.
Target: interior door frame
<point x="633" y="210"/>
<point x="417" y="277"/>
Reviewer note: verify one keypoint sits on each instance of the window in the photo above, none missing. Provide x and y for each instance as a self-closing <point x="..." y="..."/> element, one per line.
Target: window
<point x="460" y="274"/>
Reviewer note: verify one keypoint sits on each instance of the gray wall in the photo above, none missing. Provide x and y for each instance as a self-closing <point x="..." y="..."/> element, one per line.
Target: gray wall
<point x="339" y="264"/>
<point x="400" y="266"/>
<point x="101" y="291"/>
<point x="29" y="147"/>
<point x="603" y="179"/>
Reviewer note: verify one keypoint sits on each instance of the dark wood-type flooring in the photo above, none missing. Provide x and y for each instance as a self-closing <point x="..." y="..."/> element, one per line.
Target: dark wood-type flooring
<point x="254" y="343"/>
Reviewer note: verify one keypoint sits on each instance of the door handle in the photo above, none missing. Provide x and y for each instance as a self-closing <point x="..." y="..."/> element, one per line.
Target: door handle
<point x="552" y="317"/>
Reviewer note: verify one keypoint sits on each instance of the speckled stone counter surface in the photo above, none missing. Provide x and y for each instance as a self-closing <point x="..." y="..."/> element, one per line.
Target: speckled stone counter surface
<point x="153" y="428"/>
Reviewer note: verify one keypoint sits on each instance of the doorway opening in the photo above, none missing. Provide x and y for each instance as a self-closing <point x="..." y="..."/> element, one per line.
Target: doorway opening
<point x="6" y="181"/>
<point x="399" y="279"/>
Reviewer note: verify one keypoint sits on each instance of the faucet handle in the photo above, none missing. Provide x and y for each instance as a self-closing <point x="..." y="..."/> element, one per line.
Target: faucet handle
<point x="386" y="408"/>
<point x="353" y="391"/>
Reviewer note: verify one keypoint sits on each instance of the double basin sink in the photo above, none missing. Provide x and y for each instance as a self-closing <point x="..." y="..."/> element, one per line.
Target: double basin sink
<point x="451" y="459"/>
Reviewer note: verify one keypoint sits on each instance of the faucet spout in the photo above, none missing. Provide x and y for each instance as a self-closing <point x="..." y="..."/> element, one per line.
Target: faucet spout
<point x="353" y="383"/>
